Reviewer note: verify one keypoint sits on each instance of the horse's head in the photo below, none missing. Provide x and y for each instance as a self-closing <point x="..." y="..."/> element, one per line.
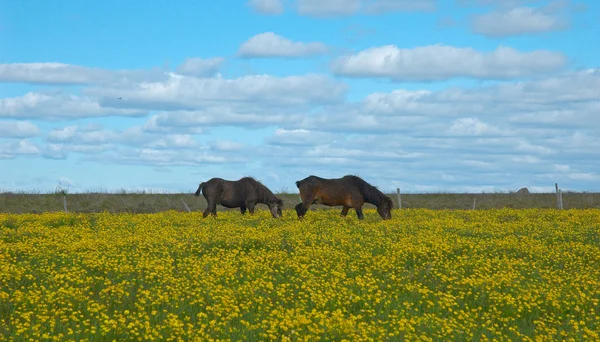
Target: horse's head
<point x="385" y="208"/>
<point x="276" y="208"/>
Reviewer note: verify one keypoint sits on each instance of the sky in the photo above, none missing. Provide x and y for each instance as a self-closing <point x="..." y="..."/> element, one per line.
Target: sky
<point x="425" y="96"/>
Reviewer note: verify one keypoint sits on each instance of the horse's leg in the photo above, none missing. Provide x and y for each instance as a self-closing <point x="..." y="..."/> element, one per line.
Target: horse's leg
<point x="243" y="210"/>
<point x="210" y="208"/>
<point x="345" y="211"/>
<point x="307" y="200"/>
<point x="251" y="206"/>
<point x="359" y="213"/>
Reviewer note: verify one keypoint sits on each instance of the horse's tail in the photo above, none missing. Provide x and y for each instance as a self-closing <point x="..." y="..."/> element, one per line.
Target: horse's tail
<point x="200" y="187"/>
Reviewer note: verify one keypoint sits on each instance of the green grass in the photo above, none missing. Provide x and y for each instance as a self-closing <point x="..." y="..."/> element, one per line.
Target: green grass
<point x="150" y="203"/>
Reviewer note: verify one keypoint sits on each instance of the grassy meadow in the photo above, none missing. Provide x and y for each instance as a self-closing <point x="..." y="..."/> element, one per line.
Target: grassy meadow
<point x="150" y="203"/>
<point x="431" y="275"/>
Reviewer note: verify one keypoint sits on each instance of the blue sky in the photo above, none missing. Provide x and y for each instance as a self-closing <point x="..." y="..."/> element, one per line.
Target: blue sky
<point x="429" y="95"/>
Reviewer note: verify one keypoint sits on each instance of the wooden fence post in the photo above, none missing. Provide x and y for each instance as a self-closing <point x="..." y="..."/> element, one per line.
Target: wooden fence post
<point x="560" y="201"/>
<point x="474" y="202"/>
<point x="65" y="203"/>
<point x="557" y="196"/>
<point x="399" y="198"/>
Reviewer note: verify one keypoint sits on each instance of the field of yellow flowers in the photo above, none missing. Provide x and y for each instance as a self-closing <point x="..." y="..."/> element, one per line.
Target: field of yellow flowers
<point x="424" y="275"/>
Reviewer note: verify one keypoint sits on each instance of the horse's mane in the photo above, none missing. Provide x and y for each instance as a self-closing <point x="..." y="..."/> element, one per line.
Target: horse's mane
<point x="261" y="190"/>
<point x="371" y="193"/>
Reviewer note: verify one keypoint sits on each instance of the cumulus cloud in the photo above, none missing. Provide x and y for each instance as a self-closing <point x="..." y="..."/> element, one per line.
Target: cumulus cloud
<point x="96" y="143"/>
<point x="58" y="106"/>
<point x="220" y="116"/>
<point x="568" y="100"/>
<point x="269" y="44"/>
<point x="324" y="8"/>
<point x="173" y="157"/>
<point x="12" y="149"/>
<point x="18" y="129"/>
<point x="134" y="136"/>
<point x="65" y="74"/>
<point x="517" y="21"/>
<point x="562" y="102"/>
<point x="267" y="6"/>
<point x="175" y="92"/>
<point x="297" y="137"/>
<point x="412" y="131"/>
<point x="200" y="67"/>
<point x="500" y="136"/>
<point x="472" y="127"/>
<point x="440" y="62"/>
<point x="189" y="93"/>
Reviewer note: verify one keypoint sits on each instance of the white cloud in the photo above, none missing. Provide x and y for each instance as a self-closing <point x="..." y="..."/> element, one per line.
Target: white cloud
<point x="227" y="145"/>
<point x="269" y="44"/>
<point x="9" y="150"/>
<point x="174" y="157"/>
<point x="502" y="136"/>
<point x="267" y="6"/>
<point x="324" y="8"/>
<point x="133" y="136"/>
<point x="187" y="93"/>
<point x="58" y="106"/>
<point x="152" y="125"/>
<point x="60" y="73"/>
<point x="517" y="21"/>
<point x="513" y="108"/>
<point x="220" y="116"/>
<point x="472" y="127"/>
<point x="135" y="145"/>
<point x="297" y="137"/>
<point x="440" y="62"/>
<point x="199" y="67"/>
<point x="18" y="129"/>
<point x="468" y="134"/>
<point x="584" y="176"/>
<point x="177" y="92"/>
<point x="124" y="146"/>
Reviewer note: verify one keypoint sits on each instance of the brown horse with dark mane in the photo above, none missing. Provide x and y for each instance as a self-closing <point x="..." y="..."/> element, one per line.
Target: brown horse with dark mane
<point x="348" y="191"/>
<point x="244" y="194"/>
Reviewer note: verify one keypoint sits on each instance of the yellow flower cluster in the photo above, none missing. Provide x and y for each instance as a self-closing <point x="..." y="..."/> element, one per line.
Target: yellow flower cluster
<point x="426" y="275"/>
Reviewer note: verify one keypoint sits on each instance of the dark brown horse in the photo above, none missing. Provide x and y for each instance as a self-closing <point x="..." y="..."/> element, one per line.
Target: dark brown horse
<point x="244" y="194"/>
<point x="348" y="191"/>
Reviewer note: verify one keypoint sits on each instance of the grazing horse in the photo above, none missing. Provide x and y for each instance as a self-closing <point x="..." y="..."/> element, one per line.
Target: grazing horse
<point x="348" y="191"/>
<point x="244" y="193"/>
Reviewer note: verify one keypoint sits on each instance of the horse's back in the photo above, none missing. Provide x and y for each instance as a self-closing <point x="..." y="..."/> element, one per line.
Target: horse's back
<point x="331" y="186"/>
<point x="309" y="182"/>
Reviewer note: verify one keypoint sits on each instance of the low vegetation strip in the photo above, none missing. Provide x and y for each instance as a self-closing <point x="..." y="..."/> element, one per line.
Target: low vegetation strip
<point x="152" y="203"/>
<point x="436" y="275"/>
